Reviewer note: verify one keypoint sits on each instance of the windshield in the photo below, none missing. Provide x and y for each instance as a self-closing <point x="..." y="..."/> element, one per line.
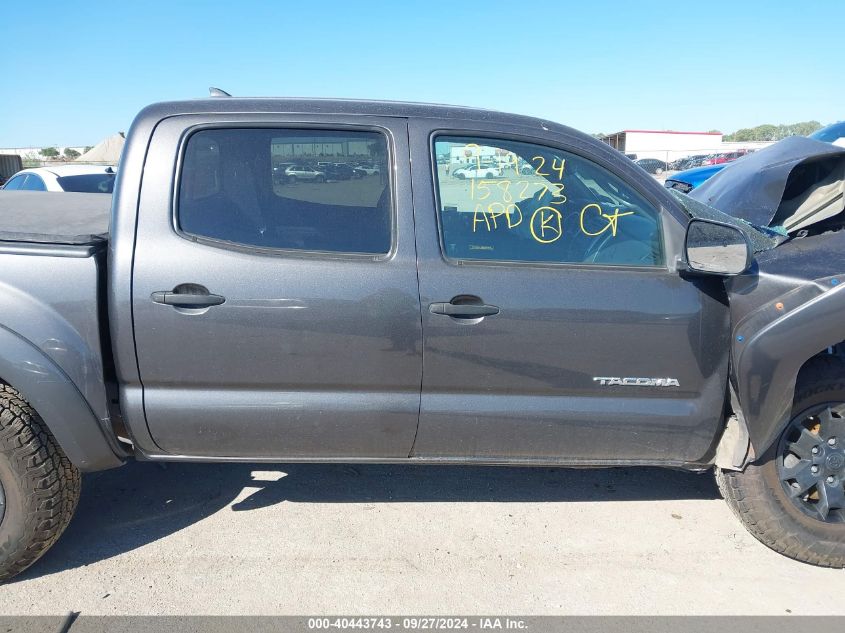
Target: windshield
<point x="87" y="183"/>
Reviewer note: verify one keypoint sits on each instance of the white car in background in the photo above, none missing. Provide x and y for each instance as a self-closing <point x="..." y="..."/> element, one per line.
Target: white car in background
<point x="367" y="170"/>
<point x="489" y="171"/>
<point x="75" y="178"/>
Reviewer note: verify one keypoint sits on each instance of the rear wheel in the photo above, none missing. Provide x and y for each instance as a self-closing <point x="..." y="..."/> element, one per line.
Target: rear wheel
<point x="793" y="498"/>
<point x="39" y="487"/>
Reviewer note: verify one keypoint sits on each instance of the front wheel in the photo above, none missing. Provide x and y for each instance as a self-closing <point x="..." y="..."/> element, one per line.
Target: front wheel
<point x="793" y="498"/>
<point x="39" y="487"/>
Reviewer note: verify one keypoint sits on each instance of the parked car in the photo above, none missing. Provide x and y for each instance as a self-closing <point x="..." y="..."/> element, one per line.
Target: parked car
<point x="696" y="160"/>
<point x="279" y="171"/>
<point x="687" y="162"/>
<point x="478" y="171"/>
<point x="74" y="178"/>
<point x="724" y="157"/>
<point x="620" y="324"/>
<point x="652" y="165"/>
<point x="338" y="171"/>
<point x="686" y="181"/>
<point x="367" y="169"/>
<point x="296" y="173"/>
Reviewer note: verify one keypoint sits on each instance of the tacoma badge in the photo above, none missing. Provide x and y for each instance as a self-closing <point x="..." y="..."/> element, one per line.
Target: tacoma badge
<point x="606" y="381"/>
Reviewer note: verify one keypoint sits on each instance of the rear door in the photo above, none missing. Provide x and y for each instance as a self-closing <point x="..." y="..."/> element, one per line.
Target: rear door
<point x="277" y="319"/>
<point x="556" y="327"/>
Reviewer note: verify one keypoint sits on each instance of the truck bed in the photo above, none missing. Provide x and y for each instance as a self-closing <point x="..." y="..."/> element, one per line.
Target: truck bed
<point x="54" y="218"/>
<point x="52" y="276"/>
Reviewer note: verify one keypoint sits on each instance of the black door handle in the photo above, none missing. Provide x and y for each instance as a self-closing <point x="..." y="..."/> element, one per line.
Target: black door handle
<point x="186" y="300"/>
<point x="464" y="310"/>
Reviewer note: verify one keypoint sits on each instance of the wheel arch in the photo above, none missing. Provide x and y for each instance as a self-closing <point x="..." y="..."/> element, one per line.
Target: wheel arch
<point x="59" y="403"/>
<point x="771" y="347"/>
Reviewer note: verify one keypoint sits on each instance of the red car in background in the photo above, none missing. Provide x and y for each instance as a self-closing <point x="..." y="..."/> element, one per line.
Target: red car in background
<point x="718" y="159"/>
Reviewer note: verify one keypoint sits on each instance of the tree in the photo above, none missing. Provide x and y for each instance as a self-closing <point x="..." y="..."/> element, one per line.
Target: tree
<point x="769" y="132"/>
<point x="88" y="148"/>
<point x="49" y="152"/>
<point x="71" y="153"/>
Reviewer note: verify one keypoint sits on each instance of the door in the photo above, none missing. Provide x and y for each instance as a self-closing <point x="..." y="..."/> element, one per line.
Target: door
<point x="555" y="325"/>
<point x="277" y="317"/>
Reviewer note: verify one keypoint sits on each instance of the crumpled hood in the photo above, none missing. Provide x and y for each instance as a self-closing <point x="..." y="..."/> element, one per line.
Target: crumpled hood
<point x="792" y="184"/>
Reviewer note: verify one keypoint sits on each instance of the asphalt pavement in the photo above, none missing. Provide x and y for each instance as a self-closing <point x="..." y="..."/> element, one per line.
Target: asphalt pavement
<point x="390" y="540"/>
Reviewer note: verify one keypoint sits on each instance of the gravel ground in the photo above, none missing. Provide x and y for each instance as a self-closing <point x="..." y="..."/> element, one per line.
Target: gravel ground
<point x="309" y="539"/>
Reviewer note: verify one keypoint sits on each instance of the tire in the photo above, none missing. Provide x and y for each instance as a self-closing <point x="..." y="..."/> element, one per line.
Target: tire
<point x="40" y="485"/>
<point x="759" y="498"/>
<point x="320" y="179"/>
<point x="658" y="171"/>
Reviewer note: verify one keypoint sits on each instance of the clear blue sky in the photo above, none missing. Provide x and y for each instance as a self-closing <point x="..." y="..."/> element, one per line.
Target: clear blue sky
<point x="76" y="72"/>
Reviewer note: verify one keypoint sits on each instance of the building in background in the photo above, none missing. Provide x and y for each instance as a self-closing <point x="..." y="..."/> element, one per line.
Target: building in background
<point x="670" y="146"/>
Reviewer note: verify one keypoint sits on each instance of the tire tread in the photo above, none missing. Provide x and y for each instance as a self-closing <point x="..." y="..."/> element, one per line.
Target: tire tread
<point x="49" y="483"/>
<point x="749" y="497"/>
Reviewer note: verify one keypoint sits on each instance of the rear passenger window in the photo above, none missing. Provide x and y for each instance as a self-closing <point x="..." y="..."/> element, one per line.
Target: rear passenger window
<point x="311" y="190"/>
<point x="34" y="183"/>
<point x="510" y="201"/>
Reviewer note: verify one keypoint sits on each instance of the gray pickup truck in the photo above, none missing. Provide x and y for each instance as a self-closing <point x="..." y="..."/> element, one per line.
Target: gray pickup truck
<point x="553" y="306"/>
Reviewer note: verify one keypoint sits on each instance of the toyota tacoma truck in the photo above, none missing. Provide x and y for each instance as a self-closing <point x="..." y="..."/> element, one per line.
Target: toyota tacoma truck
<point x="574" y="313"/>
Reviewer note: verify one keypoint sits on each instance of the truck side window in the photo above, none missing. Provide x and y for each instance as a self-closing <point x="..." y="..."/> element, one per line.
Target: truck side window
<point x="300" y="189"/>
<point x="511" y="201"/>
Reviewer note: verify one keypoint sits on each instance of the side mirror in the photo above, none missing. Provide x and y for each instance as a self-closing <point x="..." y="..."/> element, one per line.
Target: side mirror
<point x="716" y="248"/>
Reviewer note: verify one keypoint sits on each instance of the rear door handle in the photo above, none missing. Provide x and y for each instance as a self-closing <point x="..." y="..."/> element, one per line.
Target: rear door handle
<point x="464" y="311"/>
<point x="183" y="300"/>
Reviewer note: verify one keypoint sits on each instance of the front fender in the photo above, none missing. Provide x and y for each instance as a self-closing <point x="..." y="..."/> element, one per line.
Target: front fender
<point x="772" y="343"/>
<point x="54" y="396"/>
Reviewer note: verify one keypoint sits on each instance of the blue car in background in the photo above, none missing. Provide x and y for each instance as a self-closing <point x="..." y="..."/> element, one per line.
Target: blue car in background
<point x="834" y="133"/>
<point x="687" y="180"/>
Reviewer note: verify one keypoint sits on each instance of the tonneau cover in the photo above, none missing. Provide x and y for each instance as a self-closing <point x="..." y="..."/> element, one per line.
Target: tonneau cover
<point x="54" y="217"/>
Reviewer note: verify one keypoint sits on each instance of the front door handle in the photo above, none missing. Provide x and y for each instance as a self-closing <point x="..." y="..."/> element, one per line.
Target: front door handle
<point x="464" y="310"/>
<point x="187" y="300"/>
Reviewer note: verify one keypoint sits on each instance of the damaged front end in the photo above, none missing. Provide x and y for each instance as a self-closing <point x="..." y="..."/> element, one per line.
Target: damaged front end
<point x="788" y="307"/>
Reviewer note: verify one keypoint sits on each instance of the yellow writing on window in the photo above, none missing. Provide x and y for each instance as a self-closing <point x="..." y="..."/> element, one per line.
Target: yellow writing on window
<point x="490" y="216"/>
<point x="611" y="221"/>
<point x="546" y="225"/>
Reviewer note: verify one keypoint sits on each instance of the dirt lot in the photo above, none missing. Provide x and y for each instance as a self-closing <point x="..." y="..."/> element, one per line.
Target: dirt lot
<point x="307" y="539"/>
